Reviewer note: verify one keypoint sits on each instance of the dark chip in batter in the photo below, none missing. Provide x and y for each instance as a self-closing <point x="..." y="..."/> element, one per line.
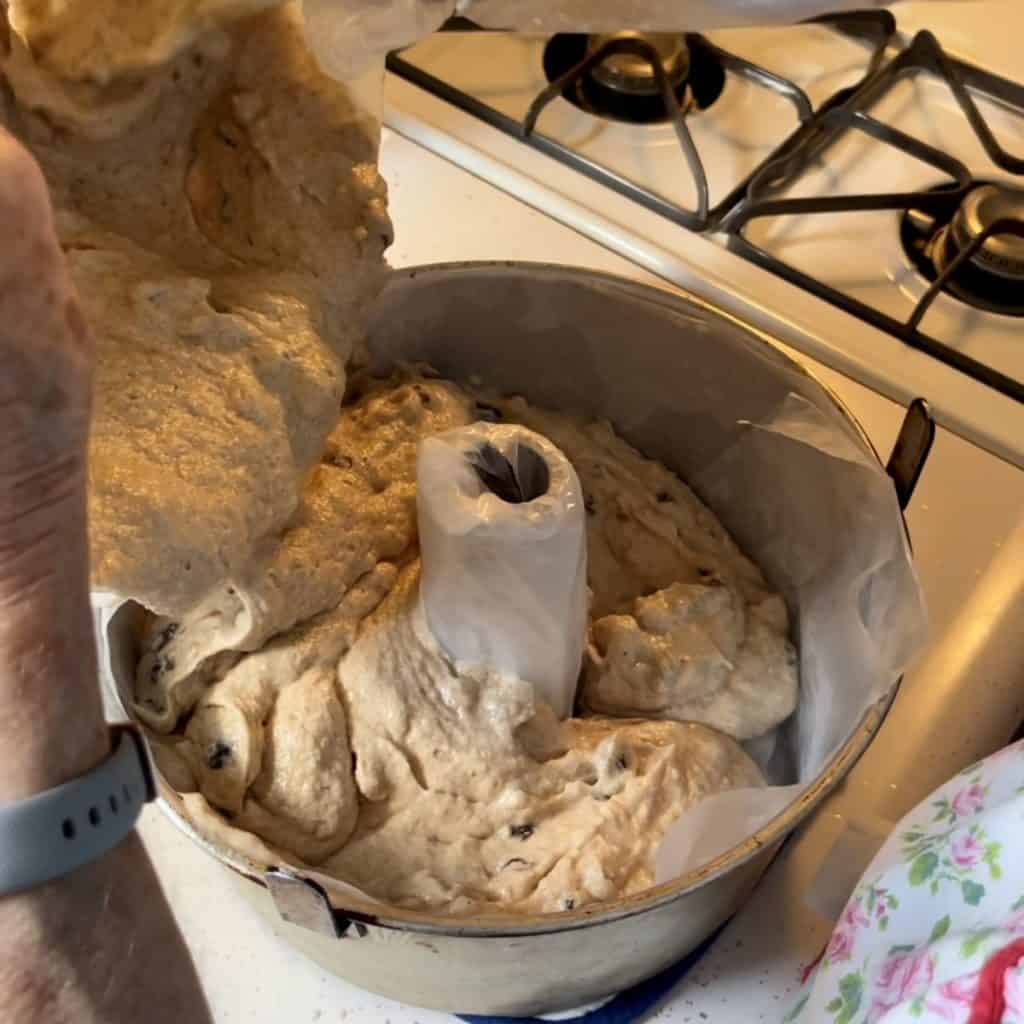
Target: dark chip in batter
<point x="218" y="756"/>
<point x="165" y="636"/>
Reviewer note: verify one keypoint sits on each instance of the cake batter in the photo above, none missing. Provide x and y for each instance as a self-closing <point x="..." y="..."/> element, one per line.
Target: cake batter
<point x="350" y="741"/>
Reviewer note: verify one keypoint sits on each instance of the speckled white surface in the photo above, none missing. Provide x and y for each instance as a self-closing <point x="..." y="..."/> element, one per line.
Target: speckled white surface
<point x="249" y="977"/>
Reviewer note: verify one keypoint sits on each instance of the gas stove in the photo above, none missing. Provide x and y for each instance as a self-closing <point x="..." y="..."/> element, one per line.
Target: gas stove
<point x="842" y="163"/>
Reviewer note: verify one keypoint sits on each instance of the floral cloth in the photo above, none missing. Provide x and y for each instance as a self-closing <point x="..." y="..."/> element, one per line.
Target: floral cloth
<point x="934" y="933"/>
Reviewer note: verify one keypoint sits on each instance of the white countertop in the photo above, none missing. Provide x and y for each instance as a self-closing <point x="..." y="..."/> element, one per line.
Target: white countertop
<point x="966" y="508"/>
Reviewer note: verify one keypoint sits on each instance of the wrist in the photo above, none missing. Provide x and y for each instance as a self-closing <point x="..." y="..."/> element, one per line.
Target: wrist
<point x="45" y="746"/>
<point x="42" y="521"/>
<point x="51" y="715"/>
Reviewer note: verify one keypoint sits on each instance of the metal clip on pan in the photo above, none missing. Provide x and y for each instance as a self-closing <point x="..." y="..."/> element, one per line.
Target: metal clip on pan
<point x="910" y="452"/>
<point x="304" y="903"/>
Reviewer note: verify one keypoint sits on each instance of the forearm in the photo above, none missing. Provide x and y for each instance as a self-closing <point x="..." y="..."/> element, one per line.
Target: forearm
<point x="51" y="725"/>
<point x="51" y="717"/>
<point x="98" y="946"/>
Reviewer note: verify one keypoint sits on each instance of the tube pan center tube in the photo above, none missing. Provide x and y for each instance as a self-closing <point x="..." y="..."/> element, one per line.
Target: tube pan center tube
<point x="503" y="541"/>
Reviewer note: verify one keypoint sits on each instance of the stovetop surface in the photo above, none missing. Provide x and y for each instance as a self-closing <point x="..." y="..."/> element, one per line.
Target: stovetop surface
<point x="853" y="259"/>
<point x="734" y="135"/>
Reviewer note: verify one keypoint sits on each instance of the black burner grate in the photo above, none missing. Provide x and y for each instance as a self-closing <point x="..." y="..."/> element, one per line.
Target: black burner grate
<point x="923" y="55"/>
<point x="759" y="196"/>
<point x="874" y="28"/>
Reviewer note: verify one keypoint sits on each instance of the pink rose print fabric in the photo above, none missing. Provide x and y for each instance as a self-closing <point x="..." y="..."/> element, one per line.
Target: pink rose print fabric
<point x="1013" y="993"/>
<point x="953" y="1001"/>
<point x="934" y="932"/>
<point x="901" y="978"/>
<point x="969" y="800"/>
<point x="966" y="850"/>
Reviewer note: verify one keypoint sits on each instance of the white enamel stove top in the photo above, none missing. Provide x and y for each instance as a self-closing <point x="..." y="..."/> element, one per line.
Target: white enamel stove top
<point x="858" y="254"/>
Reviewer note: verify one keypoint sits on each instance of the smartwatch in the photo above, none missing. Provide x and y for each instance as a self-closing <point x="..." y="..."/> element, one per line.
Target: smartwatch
<point x="51" y="834"/>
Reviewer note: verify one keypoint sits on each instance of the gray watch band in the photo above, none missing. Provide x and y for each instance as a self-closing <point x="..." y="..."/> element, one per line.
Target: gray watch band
<point x="51" y="834"/>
